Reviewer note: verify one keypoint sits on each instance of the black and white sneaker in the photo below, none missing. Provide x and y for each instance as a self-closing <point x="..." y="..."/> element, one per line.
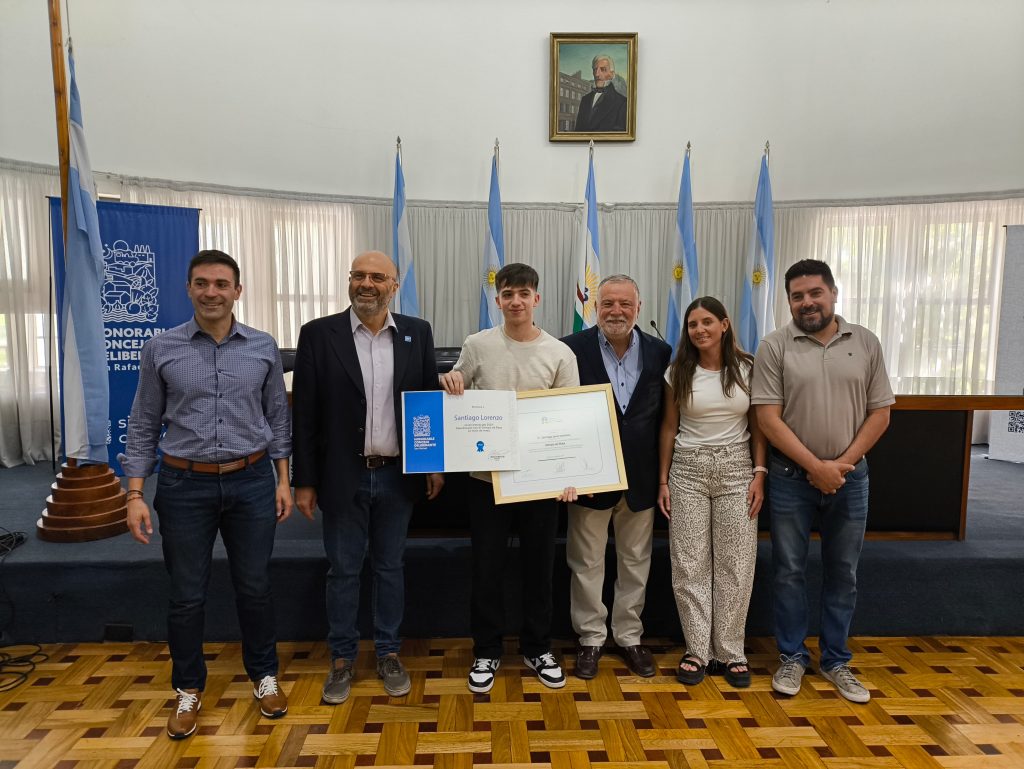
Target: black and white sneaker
<point x="481" y="675"/>
<point x="547" y="670"/>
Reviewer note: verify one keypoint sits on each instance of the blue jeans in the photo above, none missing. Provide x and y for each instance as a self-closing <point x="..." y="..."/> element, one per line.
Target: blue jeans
<point x="192" y="507"/>
<point x="794" y="503"/>
<point x="377" y="520"/>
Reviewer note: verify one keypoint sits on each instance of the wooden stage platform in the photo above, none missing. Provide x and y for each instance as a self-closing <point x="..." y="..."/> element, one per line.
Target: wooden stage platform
<point x="937" y="703"/>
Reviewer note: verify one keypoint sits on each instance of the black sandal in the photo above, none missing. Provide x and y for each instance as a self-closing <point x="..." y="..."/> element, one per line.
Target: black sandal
<point x="690" y="677"/>
<point x="740" y="679"/>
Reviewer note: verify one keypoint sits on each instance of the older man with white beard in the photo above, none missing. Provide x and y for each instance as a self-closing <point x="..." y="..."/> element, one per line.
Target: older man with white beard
<point x="634" y="363"/>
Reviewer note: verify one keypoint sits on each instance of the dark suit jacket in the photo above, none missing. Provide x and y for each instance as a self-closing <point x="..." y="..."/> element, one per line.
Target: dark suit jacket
<point x="329" y="404"/>
<point x="639" y="426"/>
<point x="609" y="115"/>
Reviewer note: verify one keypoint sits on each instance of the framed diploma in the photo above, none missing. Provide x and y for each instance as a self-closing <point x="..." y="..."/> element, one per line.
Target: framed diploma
<point x="567" y="437"/>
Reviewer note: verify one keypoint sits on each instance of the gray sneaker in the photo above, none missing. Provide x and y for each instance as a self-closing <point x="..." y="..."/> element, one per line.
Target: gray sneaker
<point x="338" y="683"/>
<point x="787" y="678"/>
<point x="392" y="672"/>
<point x="847" y="684"/>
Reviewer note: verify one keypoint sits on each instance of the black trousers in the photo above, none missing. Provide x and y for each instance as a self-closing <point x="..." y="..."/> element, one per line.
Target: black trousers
<point x="491" y="526"/>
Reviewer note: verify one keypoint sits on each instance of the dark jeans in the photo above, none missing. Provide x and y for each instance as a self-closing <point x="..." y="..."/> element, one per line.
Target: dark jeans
<point x="491" y="526"/>
<point x="192" y="507"/>
<point x="377" y="520"/>
<point x="794" y="503"/>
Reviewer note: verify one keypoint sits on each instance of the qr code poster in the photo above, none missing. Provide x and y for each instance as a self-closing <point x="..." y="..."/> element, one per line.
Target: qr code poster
<point x="1015" y="422"/>
<point x="1006" y="436"/>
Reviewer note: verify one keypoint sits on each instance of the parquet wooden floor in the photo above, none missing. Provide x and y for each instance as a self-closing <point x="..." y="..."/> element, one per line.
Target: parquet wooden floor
<point x="937" y="702"/>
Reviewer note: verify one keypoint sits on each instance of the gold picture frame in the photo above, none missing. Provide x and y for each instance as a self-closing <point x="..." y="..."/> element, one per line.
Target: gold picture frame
<point x="568" y="436"/>
<point x="580" y="110"/>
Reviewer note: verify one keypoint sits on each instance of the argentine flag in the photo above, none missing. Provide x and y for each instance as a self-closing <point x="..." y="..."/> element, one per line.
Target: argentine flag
<point x="588" y="261"/>
<point x="86" y="396"/>
<point x="756" y="316"/>
<point x="408" y="303"/>
<point x="683" y="286"/>
<point x="494" y="253"/>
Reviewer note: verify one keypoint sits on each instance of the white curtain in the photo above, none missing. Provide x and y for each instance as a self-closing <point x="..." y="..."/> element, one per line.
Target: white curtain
<point x="27" y="343"/>
<point x="924" y="276"/>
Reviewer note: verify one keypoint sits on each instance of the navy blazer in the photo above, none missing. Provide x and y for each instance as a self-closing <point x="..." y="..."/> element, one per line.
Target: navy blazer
<point x="329" y="404"/>
<point x="639" y="426"/>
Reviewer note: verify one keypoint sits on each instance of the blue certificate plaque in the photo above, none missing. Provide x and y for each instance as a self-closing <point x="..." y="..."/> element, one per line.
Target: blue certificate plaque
<point x="477" y="430"/>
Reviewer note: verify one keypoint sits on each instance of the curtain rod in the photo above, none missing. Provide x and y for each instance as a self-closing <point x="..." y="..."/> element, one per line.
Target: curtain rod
<point x="222" y="189"/>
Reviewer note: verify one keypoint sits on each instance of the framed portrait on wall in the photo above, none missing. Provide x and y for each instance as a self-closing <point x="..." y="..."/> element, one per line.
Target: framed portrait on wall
<point x="593" y="87"/>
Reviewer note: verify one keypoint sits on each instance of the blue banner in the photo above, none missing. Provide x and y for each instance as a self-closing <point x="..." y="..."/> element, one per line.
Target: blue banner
<point x="423" y="432"/>
<point x="146" y="251"/>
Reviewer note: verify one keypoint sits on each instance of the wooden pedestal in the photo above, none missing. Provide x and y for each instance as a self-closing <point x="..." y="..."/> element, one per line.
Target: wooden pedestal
<point x="86" y="503"/>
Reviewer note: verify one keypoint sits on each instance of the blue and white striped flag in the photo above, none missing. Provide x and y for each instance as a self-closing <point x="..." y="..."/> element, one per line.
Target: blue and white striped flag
<point x="84" y="365"/>
<point x="588" y="260"/>
<point x="407" y="302"/>
<point x="494" y="253"/>
<point x="683" y="287"/>
<point x="757" y="318"/>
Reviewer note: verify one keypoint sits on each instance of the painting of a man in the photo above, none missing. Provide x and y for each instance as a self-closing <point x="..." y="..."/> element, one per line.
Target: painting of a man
<point x="604" y="108"/>
<point x="593" y="87"/>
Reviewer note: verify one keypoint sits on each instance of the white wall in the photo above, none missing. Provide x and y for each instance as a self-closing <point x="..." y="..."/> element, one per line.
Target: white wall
<point x="859" y="98"/>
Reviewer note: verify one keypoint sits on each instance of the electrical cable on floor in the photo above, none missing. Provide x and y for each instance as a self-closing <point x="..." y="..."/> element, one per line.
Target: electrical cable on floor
<point x="15" y="667"/>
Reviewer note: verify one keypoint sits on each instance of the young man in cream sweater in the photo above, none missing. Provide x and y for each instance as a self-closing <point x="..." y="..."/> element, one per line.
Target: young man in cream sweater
<point x="514" y="356"/>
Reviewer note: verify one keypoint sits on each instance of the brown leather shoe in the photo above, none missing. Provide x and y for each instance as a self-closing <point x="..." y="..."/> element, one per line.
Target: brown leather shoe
<point x="586" y="662"/>
<point x="639" y="659"/>
<point x="182" y="721"/>
<point x="273" y="703"/>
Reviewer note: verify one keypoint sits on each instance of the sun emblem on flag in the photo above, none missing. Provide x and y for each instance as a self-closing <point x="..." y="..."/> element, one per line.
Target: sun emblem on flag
<point x="490" y="275"/>
<point x="677" y="272"/>
<point x="760" y="274"/>
<point x="584" y="293"/>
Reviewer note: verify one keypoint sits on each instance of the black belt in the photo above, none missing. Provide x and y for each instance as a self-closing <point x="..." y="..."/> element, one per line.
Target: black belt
<point x="375" y="461"/>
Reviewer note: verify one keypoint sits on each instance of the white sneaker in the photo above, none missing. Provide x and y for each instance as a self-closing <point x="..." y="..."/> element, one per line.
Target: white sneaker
<point x="847" y="684"/>
<point x="787" y="678"/>
<point x="547" y="670"/>
<point x="481" y="675"/>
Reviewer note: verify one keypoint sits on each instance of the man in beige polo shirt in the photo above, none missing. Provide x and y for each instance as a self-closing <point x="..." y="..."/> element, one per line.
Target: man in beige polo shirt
<point x="823" y="398"/>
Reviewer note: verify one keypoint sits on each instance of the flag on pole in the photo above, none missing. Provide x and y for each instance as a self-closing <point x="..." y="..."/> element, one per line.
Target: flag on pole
<point x="757" y="318"/>
<point x="494" y="252"/>
<point x="588" y="261"/>
<point x="408" y="302"/>
<point x="683" y="287"/>
<point x="85" y="389"/>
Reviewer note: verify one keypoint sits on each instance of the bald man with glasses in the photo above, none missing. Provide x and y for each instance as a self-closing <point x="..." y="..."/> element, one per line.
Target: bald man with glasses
<point x="351" y="369"/>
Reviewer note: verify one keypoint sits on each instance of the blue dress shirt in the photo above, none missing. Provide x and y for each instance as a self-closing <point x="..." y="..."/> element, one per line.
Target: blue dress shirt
<point x="623" y="372"/>
<point x="218" y="401"/>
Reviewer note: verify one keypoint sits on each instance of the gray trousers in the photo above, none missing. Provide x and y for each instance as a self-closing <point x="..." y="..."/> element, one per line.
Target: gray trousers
<point x="713" y="547"/>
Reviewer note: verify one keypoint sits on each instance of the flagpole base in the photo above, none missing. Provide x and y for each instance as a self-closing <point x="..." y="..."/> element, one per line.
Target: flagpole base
<point x="86" y="503"/>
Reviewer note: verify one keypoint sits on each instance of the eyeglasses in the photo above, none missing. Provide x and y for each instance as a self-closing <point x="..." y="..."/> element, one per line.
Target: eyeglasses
<point x="377" y="277"/>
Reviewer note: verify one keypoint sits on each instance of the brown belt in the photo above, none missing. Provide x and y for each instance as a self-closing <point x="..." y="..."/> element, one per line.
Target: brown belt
<point x="212" y="467"/>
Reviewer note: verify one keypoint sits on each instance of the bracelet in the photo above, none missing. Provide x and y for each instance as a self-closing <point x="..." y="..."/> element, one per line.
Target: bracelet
<point x="129" y="496"/>
<point x="760" y="469"/>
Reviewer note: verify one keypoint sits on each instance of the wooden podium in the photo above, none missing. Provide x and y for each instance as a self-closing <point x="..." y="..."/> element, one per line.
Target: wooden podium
<point x="86" y="503"/>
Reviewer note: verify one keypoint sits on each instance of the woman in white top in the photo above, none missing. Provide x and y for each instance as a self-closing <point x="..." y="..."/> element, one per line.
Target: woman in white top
<point x="709" y="490"/>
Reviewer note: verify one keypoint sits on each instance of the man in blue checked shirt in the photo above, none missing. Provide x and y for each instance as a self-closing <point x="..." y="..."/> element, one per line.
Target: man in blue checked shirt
<point x="218" y="388"/>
